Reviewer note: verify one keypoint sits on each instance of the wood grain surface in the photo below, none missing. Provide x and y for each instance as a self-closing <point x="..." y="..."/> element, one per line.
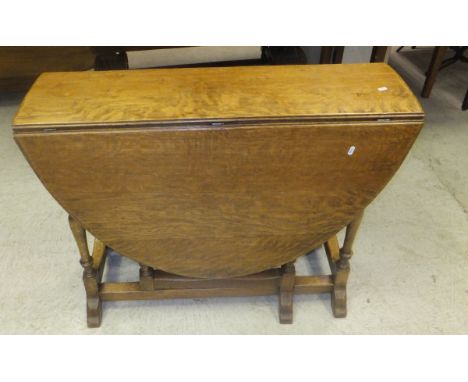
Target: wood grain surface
<point x="297" y="153"/>
<point x="219" y="202"/>
<point x="212" y="94"/>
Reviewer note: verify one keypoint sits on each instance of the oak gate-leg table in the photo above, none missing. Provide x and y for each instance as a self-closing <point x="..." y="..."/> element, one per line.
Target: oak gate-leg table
<point x="215" y="180"/>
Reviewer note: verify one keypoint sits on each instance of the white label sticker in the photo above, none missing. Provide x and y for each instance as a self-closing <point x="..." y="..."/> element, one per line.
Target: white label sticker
<point x="382" y="89"/>
<point x="351" y="150"/>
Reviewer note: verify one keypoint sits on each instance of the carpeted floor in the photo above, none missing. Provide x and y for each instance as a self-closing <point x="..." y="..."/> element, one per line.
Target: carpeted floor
<point x="409" y="272"/>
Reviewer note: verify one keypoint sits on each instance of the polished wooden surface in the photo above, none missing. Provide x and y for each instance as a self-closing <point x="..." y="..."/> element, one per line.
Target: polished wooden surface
<point x="201" y="94"/>
<point x="222" y="200"/>
<point x="218" y="202"/>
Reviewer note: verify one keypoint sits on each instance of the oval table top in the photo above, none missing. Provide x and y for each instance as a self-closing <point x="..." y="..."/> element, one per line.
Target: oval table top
<point x="296" y="153"/>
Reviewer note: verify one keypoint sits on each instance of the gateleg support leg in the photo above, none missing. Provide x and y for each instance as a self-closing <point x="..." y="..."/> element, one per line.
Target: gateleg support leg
<point x="342" y="268"/>
<point x="90" y="274"/>
<point x="286" y="293"/>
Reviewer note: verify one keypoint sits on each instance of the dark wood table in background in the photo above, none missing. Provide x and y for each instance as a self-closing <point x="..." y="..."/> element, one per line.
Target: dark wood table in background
<point x="334" y="54"/>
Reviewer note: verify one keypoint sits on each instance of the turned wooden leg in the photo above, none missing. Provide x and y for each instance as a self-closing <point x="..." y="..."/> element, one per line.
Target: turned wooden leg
<point x="90" y="281"/>
<point x="286" y="293"/>
<point x="434" y="66"/>
<point x="342" y="268"/>
<point x="146" y="277"/>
